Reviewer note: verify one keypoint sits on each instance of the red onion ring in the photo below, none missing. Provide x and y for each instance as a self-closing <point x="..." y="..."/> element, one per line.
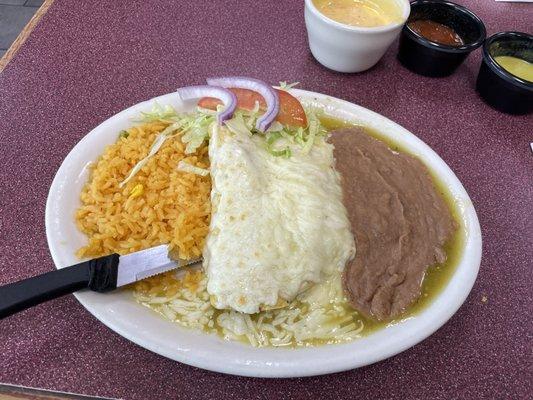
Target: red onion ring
<point x="226" y="96"/>
<point x="264" y="89"/>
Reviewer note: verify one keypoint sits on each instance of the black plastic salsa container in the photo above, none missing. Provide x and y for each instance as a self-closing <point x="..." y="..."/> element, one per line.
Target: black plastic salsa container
<point x="428" y="58"/>
<point x="497" y="86"/>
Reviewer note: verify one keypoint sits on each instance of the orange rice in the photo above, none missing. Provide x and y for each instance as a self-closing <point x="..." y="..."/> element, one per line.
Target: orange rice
<point x="159" y="205"/>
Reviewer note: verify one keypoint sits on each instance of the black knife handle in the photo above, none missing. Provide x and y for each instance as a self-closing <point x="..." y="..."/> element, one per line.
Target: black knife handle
<point x="99" y="274"/>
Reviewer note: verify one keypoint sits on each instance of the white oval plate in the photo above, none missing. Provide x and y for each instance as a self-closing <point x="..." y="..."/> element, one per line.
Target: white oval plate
<point x="121" y="313"/>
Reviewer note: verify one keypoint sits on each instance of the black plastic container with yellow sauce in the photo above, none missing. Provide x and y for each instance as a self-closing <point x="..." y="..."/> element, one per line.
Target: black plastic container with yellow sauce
<point x="499" y="87"/>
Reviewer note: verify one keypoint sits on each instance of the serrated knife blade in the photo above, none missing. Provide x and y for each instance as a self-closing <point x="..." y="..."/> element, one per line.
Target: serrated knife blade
<point x="142" y="264"/>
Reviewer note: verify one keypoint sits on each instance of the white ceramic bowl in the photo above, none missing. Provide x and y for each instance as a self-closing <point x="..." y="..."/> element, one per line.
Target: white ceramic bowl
<point x="120" y="312"/>
<point x="346" y="48"/>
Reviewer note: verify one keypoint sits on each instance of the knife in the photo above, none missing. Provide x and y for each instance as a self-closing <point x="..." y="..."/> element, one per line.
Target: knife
<point x="102" y="274"/>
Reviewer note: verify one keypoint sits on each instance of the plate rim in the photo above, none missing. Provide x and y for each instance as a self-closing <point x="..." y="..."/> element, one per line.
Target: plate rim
<point x="279" y="367"/>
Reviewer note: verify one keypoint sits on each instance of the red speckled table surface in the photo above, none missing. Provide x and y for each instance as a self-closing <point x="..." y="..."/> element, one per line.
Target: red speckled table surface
<point x="86" y="61"/>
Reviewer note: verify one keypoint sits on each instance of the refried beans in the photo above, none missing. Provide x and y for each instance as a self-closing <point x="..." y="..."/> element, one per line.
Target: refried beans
<point x="399" y="221"/>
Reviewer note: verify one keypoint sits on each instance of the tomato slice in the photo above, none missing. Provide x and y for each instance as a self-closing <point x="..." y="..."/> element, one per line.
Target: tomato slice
<point x="290" y="112"/>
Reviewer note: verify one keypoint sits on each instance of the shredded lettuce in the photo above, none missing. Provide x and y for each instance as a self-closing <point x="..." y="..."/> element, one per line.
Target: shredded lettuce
<point x="193" y="130"/>
<point x="275" y="127"/>
<point x="299" y="136"/>
<point x="272" y="137"/>
<point x="206" y="111"/>
<point x="155" y="147"/>
<point x="255" y="110"/>
<point x="192" y="169"/>
<point x="285" y="153"/>
<point x="159" y="140"/>
<point x="159" y="113"/>
<point x="313" y="130"/>
<point x="304" y="138"/>
<point x="310" y="141"/>
<point x="238" y="126"/>
<point x="271" y="140"/>
<point x="287" y="86"/>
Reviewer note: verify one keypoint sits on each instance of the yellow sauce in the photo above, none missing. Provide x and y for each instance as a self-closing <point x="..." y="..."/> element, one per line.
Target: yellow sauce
<point x="516" y="66"/>
<point x="365" y="13"/>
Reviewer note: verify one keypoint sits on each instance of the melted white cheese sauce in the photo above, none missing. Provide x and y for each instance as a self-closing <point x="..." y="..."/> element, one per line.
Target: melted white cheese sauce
<point x="277" y="223"/>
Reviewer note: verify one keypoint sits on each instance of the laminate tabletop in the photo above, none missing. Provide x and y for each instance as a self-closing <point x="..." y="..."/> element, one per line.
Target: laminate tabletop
<point x="85" y="61"/>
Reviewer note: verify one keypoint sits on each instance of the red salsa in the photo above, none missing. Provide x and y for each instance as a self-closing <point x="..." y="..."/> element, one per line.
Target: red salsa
<point x="436" y="32"/>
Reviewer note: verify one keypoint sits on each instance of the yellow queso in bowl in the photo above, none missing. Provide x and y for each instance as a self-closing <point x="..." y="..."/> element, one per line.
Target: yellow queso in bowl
<point x="364" y="13"/>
